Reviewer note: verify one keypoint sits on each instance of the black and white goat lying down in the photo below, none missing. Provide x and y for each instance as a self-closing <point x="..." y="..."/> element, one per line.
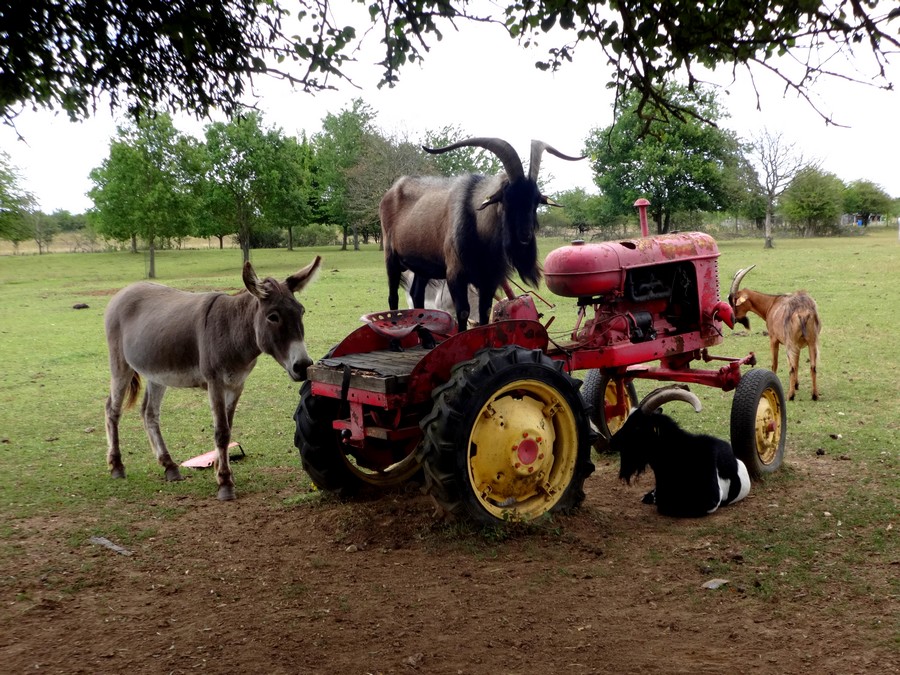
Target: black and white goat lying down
<point x="695" y="474"/>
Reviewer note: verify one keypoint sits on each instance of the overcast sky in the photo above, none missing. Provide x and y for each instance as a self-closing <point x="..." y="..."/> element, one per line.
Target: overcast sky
<point x="484" y="82"/>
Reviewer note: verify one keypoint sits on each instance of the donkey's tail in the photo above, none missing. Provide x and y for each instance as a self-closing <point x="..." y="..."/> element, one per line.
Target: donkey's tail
<point x="134" y="388"/>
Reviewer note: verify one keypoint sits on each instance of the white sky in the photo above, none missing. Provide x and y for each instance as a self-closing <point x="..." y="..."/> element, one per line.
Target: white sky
<point x="484" y="82"/>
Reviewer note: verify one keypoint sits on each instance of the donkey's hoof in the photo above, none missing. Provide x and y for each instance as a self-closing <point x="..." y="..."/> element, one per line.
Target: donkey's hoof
<point x="117" y="472"/>
<point x="173" y="474"/>
<point x="226" y="493"/>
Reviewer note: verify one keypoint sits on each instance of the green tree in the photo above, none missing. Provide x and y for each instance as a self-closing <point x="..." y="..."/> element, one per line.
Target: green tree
<point x="43" y="228"/>
<point x="289" y="186"/>
<point x="813" y="201"/>
<point x="778" y="162"/>
<point x="339" y="149"/>
<point x="462" y="161"/>
<point x="381" y="162"/>
<point x="586" y="212"/>
<point x="747" y="197"/>
<point x="200" y="54"/>
<point x="15" y="203"/>
<point x="864" y="199"/>
<point x="65" y="221"/>
<point x="680" y="165"/>
<point x="143" y="188"/>
<point x="157" y="54"/>
<point x="255" y="179"/>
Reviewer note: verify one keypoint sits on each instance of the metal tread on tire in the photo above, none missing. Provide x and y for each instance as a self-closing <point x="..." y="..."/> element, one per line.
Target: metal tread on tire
<point x="508" y="438"/>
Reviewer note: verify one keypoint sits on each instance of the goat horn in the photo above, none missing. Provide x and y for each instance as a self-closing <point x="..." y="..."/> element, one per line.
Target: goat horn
<point x="503" y="150"/>
<point x="657" y="397"/>
<point x="736" y="281"/>
<point x="549" y="202"/>
<point x="537" y="150"/>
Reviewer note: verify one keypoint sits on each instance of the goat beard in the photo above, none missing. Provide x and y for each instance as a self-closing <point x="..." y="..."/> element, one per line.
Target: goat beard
<point x="524" y="258"/>
<point x="628" y="471"/>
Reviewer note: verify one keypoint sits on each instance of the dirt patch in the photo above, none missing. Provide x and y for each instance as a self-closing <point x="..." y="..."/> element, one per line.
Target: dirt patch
<point x="384" y="587"/>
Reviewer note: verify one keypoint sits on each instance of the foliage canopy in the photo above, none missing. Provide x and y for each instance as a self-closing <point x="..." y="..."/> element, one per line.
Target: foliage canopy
<point x="199" y="55"/>
<point x="680" y="165"/>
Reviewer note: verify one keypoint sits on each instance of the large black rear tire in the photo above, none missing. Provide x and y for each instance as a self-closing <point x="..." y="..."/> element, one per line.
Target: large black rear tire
<point x="508" y="438"/>
<point x="339" y="468"/>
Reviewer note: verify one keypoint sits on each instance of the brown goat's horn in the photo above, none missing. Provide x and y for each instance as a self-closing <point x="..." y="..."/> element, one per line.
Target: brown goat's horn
<point x="657" y="397"/>
<point x="537" y="150"/>
<point x="503" y="150"/>
<point x="736" y="281"/>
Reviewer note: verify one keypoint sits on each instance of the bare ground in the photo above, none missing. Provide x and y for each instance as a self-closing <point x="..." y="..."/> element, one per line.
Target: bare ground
<point x="384" y="587"/>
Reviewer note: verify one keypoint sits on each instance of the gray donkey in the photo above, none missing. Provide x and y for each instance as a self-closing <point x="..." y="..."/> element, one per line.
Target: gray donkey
<point x="174" y="338"/>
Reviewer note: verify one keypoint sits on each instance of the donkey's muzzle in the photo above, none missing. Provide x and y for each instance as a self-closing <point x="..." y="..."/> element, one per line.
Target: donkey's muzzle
<point x="298" y="370"/>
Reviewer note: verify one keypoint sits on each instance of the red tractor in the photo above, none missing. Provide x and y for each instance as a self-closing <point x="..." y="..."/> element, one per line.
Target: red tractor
<point x="492" y="415"/>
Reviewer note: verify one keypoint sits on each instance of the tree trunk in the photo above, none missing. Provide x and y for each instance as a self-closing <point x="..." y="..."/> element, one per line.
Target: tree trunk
<point x="290" y="238"/>
<point x="134" y="243"/>
<point x="769" y="243"/>
<point x="221" y="238"/>
<point x="355" y="238"/>
<point x="151" y="272"/>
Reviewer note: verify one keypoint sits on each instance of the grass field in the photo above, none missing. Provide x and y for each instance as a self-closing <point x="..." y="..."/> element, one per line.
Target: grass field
<point x="811" y="555"/>
<point x="54" y="371"/>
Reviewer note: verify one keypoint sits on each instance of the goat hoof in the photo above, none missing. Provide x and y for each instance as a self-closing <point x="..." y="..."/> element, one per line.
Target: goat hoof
<point x="226" y="493"/>
<point x="173" y="474"/>
<point x="117" y="472"/>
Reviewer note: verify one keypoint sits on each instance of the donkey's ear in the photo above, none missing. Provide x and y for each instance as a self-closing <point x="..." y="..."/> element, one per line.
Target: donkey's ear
<point x="297" y="282"/>
<point x="252" y="282"/>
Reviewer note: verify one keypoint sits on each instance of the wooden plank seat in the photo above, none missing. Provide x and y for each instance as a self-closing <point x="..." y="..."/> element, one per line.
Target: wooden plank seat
<point x="382" y="371"/>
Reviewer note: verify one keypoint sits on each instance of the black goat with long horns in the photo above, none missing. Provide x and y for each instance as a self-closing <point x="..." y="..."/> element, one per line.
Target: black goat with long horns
<point x="468" y="229"/>
<point x="695" y="474"/>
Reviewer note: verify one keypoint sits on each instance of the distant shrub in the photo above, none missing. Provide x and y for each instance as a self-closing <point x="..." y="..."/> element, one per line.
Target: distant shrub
<point x="316" y="234"/>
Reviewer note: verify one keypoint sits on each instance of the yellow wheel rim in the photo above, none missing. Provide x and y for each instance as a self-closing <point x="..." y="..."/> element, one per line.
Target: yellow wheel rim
<point x="769" y="421"/>
<point x="522" y="450"/>
<point x="611" y="402"/>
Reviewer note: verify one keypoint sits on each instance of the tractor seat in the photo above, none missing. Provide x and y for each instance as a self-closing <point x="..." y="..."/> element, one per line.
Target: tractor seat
<point x="399" y="323"/>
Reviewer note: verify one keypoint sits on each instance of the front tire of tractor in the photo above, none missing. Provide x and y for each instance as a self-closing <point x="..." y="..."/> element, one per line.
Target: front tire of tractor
<point x="759" y="422"/>
<point x="600" y="393"/>
<point x="507" y="439"/>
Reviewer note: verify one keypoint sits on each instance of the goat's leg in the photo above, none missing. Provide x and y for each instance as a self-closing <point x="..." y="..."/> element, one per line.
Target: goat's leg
<point x="150" y="408"/>
<point x="485" y="302"/>
<point x="394" y="270"/>
<point x="793" y="354"/>
<point x="459" y="291"/>
<point x="223" y="402"/>
<point x="118" y="388"/>
<point x="773" y="343"/>
<point x="417" y="290"/>
<point x="813" y="358"/>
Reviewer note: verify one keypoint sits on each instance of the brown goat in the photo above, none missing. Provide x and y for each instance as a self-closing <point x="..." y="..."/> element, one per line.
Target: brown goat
<point x="792" y="319"/>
